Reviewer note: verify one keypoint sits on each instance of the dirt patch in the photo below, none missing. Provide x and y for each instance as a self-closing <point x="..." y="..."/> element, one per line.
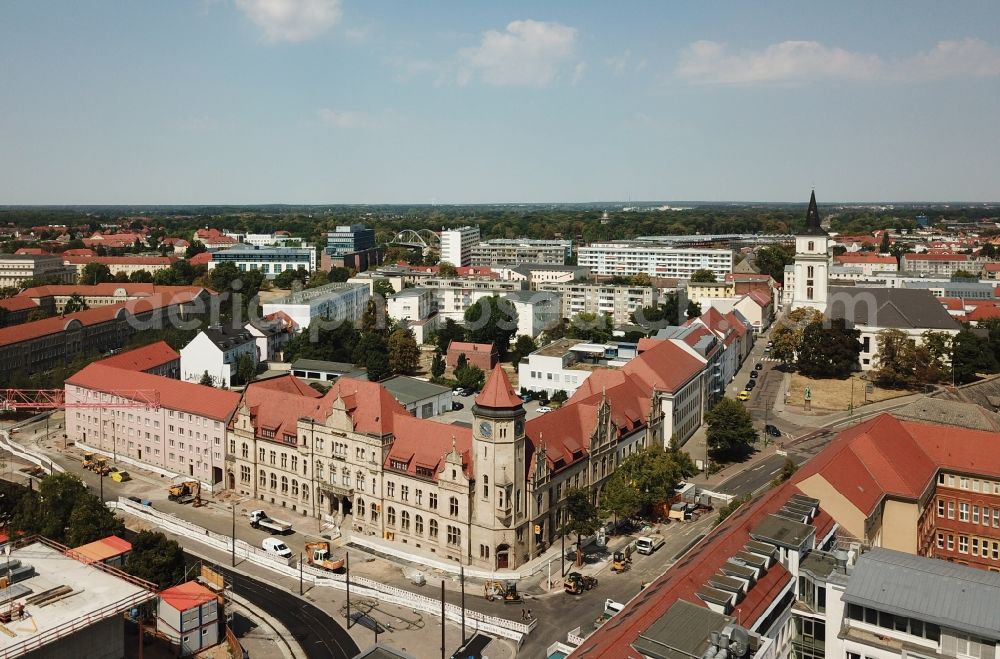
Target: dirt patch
<point x="836" y="395"/>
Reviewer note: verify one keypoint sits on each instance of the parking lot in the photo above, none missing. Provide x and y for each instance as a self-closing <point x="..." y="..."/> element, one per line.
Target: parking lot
<point x="464" y="415"/>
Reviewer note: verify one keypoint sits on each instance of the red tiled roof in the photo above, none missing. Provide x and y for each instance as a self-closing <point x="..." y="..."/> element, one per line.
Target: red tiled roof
<point x="120" y="260"/>
<point x="18" y="303"/>
<point x="31" y="250"/>
<point x="54" y="325"/>
<point x="187" y="596"/>
<point x="101" y="550"/>
<point x="664" y="367"/>
<point x="461" y="346"/>
<point x="208" y="402"/>
<point x="760" y="297"/>
<point x="144" y="358"/>
<point x="870" y="257"/>
<point x="79" y="252"/>
<point x="983" y="312"/>
<point x="952" y="303"/>
<point x="425" y="443"/>
<point x="202" y="258"/>
<point x="497" y="393"/>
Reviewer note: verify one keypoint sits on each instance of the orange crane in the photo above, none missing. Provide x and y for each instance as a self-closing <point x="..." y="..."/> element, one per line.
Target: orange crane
<point x="55" y="399"/>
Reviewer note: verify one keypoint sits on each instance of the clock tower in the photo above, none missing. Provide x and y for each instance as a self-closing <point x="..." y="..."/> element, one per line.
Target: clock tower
<point x="499" y="523"/>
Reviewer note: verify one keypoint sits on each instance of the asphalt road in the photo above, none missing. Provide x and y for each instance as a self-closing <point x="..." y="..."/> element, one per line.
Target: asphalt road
<point x="319" y="635"/>
<point x="756" y="477"/>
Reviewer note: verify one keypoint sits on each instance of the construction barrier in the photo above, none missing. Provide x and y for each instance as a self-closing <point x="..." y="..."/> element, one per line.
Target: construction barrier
<point x="28" y="455"/>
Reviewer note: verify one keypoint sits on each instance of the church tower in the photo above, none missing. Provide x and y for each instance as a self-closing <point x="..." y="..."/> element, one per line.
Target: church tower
<point x="498" y="536"/>
<point x="812" y="263"/>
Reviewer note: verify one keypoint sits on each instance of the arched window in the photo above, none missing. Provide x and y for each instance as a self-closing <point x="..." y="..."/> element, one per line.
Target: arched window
<point x="284" y="484"/>
<point x="433" y="528"/>
<point x="418" y="525"/>
<point x="295" y="488"/>
<point x="404" y="520"/>
<point x="319" y="469"/>
<point x="263" y="479"/>
<point x="390" y="516"/>
<point x="274" y="481"/>
<point x="305" y="492"/>
<point x="246" y="450"/>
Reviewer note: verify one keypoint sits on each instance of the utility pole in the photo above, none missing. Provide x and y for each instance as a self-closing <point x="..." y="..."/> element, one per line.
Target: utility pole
<point x="233" y="538"/>
<point x="442" y="619"/>
<point x="461" y="573"/>
<point x="347" y="564"/>
<point x="301" y="589"/>
<point x="562" y="555"/>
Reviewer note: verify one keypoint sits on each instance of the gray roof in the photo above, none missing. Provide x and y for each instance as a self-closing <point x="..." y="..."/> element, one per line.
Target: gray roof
<point x="950" y="595"/>
<point x="900" y="308"/>
<point x="320" y="365"/>
<point x="531" y="296"/>
<point x="409" y="292"/>
<point x="227" y="337"/>
<point x="680" y="633"/>
<point x="950" y="413"/>
<point x="409" y="390"/>
<point x="527" y="268"/>
<point x="782" y="532"/>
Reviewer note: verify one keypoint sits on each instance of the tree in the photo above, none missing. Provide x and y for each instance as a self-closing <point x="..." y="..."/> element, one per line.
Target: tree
<point x="338" y="274"/>
<point x="590" y="327"/>
<point x="373" y="319"/>
<point x="787" y="333"/>
<point x="731" y="434"/>
<point x="828" y="351"/>
<point x="883" y="247"/>
<point x="897" y="360"/>
<point x="156" y="558"/>
<point x="384" y="288"/>
<point x="703" y="276"/>
<point x="446" y="269"/>
<point x="560" y="397"/>
<point x="771" y="260"/>
<point x="582" y="518"/>
<point x="246" y="369"/>
<point x="461" y="362"/>
<point x="470" y="377"/>
<point x="693" y="309"/>
<point x="377" y="366"/>
<point x="728" y="509"/>
<point x="95" y="273"/>
<point x="48" y="513"/>
<point x="196" y="247"/>
<point x="287" y="278"/>
<point x="451" y="331"/>
<point x="404" y="355"/>
<point x="972" y="354"/>
<point x="988" y="251"/>
<point x="963" y="274"/>
<point x="206" y="379"/>
<point x="936" y="349"/>
<point x="141" y="277"/>
<point x="318" y="278"/>
<point x="788" y="469"/>
<point x="91" y="520"/>
<point x="619" y="498"/>
<point x="75" y="303"/>
<point x="654" y="473"/>
<point x="524" y="346"/>
<point x="492" y="320"/>
<point x="437" y="365"/>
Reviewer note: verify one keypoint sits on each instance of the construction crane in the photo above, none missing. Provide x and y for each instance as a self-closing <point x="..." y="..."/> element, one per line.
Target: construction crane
<point x="55" y="399"/>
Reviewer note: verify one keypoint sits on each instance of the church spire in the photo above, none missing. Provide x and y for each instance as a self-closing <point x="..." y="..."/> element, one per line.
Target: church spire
<point x="813" y="227"/>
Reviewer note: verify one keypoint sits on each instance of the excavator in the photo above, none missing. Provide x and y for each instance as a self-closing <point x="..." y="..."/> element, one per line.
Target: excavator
<point x="318" y="555"/>
<point x="505" y="590"/>
<point x="186" y="492"/>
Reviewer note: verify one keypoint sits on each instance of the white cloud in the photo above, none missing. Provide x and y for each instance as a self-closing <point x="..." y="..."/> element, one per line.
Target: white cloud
<point x="292" y="20"/>
<point x="711" y="62"/>
<point x="617" y="63"/>
<point x="346" y="118"/>
<point x="527" y="52"/>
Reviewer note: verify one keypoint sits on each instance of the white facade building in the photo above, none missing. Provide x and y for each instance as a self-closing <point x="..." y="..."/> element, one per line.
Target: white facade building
<point x="271" y="261"/>
<point x="338" y="302"/>
<point x="812" y="263"/>
<point x="619" y="301"/>
<point x="628" y="258"/>
<point x="217" y="351"/>
<point x="457" y="244"/>
<point x="506" y="252"/>
<point x="565" y="364"/>
<point x="536" y="311"/>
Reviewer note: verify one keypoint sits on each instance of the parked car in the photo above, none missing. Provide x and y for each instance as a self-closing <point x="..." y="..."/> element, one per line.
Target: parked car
<point x="275" y="546"/>
<point x="750" y="385"/>
<point x="743" y="395"/>
<point x="542" y="409"/>
<point x="456" y="405"/>
<point x="772" y="430"/>
<point x="753" y="375"/>
<point x="758" y="367"/>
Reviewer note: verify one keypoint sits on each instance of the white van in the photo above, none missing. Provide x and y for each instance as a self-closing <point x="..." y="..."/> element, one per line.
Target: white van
<point x="648" y="544"/>
<point x="275" y="546"/>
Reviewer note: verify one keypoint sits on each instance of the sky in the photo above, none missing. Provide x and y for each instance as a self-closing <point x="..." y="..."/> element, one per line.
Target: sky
<point x="462" y="101"/>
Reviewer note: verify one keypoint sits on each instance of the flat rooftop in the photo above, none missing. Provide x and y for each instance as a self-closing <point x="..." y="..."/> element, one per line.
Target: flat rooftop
<point x="409" y="390"/>
<point x="557" y="348"/>
<point x="97" y="593"/>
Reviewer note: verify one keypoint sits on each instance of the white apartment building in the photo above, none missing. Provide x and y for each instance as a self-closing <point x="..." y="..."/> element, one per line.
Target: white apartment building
<point x="415" y="306"/>
<point x="625" y="258"/>
<point x="15" y="269"/>
<point x="507" y="252"/>
<point x="457" y="244"/>
<point x="565" y="364"/>
<point x="217" y="351"/>
<point x="337" y="302"/>
<point x="536" y="311"/>
<point x="619" y="301"/>
<point x="940" y="264"/>
<point x="277" y="239"/>
<point x="271" y="261"/>
<point x="453" y="296"/>
<point x="540" y="273"/>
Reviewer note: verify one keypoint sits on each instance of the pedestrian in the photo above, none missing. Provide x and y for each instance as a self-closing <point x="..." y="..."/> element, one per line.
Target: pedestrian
<point x="529" y="615"/>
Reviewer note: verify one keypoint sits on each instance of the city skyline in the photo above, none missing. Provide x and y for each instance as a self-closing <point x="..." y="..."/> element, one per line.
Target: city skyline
<point x="302" y="102"/>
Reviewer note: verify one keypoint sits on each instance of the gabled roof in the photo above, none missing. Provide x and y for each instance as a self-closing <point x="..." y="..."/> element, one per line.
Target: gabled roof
<point x="497" y="393"/>
<point x="18" y="303"/>
<point x="901" y="308"/>
<point x="208" y="402"/>
<point x="144" y="358"/>
<point x="187" y="596"/>
<point x="425" y="443"/>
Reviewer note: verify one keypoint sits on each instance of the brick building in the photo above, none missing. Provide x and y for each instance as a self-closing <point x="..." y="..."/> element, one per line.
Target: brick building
<point x="483" y="355"/>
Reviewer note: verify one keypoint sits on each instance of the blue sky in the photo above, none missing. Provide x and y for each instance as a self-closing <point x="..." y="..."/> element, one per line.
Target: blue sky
<point x="368" y="101"/>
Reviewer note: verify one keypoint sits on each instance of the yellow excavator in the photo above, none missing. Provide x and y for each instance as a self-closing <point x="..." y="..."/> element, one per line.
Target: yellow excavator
<point x="318" y="555"/>
<point x="186" y="492"/>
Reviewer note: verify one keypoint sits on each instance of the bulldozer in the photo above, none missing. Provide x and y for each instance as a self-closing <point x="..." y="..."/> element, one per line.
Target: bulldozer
<point x="620" y="563"/>
<point x="505" y="590"/>
<point x="185" y="492"/>
<point x="88" y="461"/>
<point x="318" y="555"/>
<point x="576" y="583"/>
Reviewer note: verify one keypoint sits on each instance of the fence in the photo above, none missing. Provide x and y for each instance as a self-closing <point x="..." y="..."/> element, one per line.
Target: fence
<point x="18" y="451"/>
<point x="360" y="586"/>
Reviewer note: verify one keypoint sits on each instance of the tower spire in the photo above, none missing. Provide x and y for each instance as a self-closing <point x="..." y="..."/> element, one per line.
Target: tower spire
<point x="813" y="227"/>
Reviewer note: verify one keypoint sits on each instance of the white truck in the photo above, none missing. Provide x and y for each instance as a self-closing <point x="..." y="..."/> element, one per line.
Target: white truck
<point x="260" y="520"/>
<point x="648" y="544"/>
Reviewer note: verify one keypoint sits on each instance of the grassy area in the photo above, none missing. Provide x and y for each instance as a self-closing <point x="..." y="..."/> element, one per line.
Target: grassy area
<point x="835" y="395"/>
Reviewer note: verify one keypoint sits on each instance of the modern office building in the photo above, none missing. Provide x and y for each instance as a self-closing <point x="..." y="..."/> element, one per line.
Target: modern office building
<point x="353" y="247"/>
<point x="511" y="252"/>
<point x="271" y="261"/>
<point x="626" y="258"/>
<point x="457" y="244"/>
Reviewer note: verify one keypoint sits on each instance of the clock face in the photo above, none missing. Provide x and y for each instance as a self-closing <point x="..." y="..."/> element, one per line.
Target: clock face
<point x="485" y="429"/>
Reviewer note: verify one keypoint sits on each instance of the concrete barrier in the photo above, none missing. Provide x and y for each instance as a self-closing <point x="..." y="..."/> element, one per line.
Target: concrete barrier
<point x="26" y="454"/>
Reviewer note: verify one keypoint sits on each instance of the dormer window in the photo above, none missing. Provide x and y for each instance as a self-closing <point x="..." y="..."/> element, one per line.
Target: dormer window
<point x="398" y="465"/>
